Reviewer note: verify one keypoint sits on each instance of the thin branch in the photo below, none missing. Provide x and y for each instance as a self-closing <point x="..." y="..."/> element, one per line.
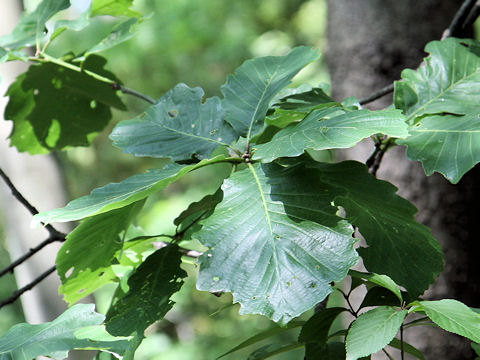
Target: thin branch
<point x="30" y="253"/>
<point x="53" y="232"/>
<point x="402" y="350"/>
<point x="473" y="16"/>
<point x="459" y="19"/>
<point x="388" y="355"/>
<point x="45" y="58"/>
<point x="377" y="94"/>
<point x="27" y="287"/>
<point x="135" y="93"/>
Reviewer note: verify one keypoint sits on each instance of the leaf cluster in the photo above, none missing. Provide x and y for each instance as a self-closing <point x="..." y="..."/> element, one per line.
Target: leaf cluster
<point x="283" y="229"/>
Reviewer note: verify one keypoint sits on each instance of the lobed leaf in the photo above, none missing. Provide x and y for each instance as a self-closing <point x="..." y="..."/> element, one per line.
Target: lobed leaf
<point x="81" y="108"/>
<point x="150" y="288"/>
<point x="444" y="86"/>
<point x="178" y="126"/>
<point x="447" y="144"/>
<point x="265" y="247"/>
<point x="415" y="256"/>
<point x="332" y="127"/>
<point x="250" y="90"/>
<point x="117" y="195"/>
<point x="373" y="330"/>
<point x="453" y="316"/>
<point x="84" y="260"/>
<point x="77" y="328"/>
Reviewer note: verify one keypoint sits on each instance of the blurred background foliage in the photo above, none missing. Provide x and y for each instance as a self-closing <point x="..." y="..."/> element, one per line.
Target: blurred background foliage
<point x="197" y="42"/>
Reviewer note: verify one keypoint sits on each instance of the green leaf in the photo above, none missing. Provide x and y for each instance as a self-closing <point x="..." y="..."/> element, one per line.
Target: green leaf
<point x="80" y="110"/>
<point x="453" y="316"/>
<point x="148" y="300"/>
<point x="381" y="280"/>
<point x="409" y="349"/>
<point x="249" y="92"/>
<point x="85" y="259"/>
<point x="445" y="85"/>
<point x="264" y="335"/>
<point x="114" y="8"/>
<point x="265" y="247"/>
<point x="447" y="144"/>
<point x="331" y="128"/>
<point x="71" y="330"/>
<point x="120" y="33"/>
<point x="377" y="296"/>
<point x="117" y="195"/>
<point x="178" y="126"/>
<point x="476" y="348"/>
<point x="303" y="101"/>
<point x="31" y="29"/>
<point x="447" y="81"/>
<point x="391" y="231"/>
<point x="317" y="327"/>
<point x="329" y="351"/>
<point x="373" y="330"/>
<point x="76" y="25"/>
<point x="270" y="350"/>
<point x="196" y="211"/>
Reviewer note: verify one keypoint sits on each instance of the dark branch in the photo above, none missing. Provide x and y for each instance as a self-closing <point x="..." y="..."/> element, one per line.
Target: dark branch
<point x="27" y="287"/>
<point x="378" y="94"/>
<point x="30" y="253"/>
<point x="135" y="93"/>
<point x="457" y="24"/>
<point x="473" y="16"/>
<point x="53" y="232"/>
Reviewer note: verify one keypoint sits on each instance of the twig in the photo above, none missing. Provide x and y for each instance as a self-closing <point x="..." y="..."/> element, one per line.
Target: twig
<point x="459" y="19"/>
<point x="473" y="16"/>
<point x="388" y="355"/>
<point x="125" y="90"/>
<point x="27" y="287"/>
<point x="377" y="94"/>
<point x="53" y="232"/>
<point x="30" y="253"/>
<point x="402" y="351"/>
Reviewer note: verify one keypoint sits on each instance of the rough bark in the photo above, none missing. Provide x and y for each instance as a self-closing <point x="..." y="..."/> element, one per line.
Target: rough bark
<point x="369" y="43"/>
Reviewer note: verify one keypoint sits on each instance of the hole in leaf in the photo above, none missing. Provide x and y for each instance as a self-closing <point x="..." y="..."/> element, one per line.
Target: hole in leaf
<point x="101" y="274"/>
<point x="172" y="113"/>
<point x="69" y="272"/>
<point x="36" y="92"/>
<point x="216" y="278"/>
<point x="93" y="104"/>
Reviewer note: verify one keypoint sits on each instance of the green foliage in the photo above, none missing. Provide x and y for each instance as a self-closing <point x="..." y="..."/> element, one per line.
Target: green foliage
<point x="117" y="195"/>
<point x="81" y="108"/>
<point x="248" y="92"/>
<point x="276" y="259"/>
<point x="180" y="116"/>
<point x="31" y="29"/>
<point x="441" y="101"/>
<point x="77" y="328"/>
<point x="332" y="127"/>
<point x="279" y="232"/>
<point x="84" y="261"/>
<point x="453" y="316"/>
<point x="373" y="330"/>
<point x="148" y="299"/>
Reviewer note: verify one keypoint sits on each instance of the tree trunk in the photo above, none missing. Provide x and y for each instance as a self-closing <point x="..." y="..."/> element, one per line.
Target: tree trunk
<point x="369" y="43"/>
